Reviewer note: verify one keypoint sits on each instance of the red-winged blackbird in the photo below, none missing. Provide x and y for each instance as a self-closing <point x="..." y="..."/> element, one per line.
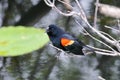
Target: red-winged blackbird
<point x="65" y="41"/>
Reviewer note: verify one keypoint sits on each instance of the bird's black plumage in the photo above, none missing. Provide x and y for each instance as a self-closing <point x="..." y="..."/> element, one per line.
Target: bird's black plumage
<point x="56" y="35"/>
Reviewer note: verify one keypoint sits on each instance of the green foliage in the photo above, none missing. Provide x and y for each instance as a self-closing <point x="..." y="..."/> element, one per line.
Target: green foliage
<point x="21" y="40"/>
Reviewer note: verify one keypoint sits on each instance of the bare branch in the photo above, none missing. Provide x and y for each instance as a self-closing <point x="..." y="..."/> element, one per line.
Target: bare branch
<point x="65" y="14"/>
<point x="101" y="78"/>
<point x="105" y="36"/>
<point x="118" y="21"/>
<point x="81" y="14"/>
<point x="49" y="3"/>
<point x="112" y="28"/>
<point x="93" y="36"/>
<point x="67" y="4"/>
<point x="108" y="35"/>
<point x="95" y="14"/>
<point x="108" y="54"/>
<point x="99" y="49"/>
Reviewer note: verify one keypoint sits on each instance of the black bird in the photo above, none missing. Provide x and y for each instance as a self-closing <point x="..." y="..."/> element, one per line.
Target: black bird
<point x="65" y="41"/>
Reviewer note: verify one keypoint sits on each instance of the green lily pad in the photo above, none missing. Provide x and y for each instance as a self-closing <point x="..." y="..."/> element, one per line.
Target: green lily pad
<point x="21" y="40"/>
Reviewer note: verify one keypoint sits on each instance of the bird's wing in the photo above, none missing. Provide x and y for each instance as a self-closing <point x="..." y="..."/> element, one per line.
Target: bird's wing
<point x="72" y="44"/>
<point x="66" y="40"/>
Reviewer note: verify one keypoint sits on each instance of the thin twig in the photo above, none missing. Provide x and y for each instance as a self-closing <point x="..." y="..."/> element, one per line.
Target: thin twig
<point x="94" y="37"/>
<point x="82" y="14"/>
<point x="108" y="38"/>
<point x="67" y="4"/>
<point x="108" y="35"/>
<point x="65" y="14"/>
<point x="112" y="28"/>
<point x="49" y="3"/>
<point x="95" y="14"/>
<point x="118" y="24"/>
<point x="100" y="34"/>
<point x="108" y="54"/>
<point x="101" y="78"/>
<point x="99" y="49"/>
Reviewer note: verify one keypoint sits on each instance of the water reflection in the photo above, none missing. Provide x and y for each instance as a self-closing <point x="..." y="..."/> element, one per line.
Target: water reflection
<point x="43" y="65"/>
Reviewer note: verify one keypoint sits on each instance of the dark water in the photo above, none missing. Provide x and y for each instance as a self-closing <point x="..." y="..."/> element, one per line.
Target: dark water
<point x="42" y="64"/>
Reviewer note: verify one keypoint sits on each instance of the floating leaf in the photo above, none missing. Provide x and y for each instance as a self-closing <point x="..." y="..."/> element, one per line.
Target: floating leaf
<point x="21" y="40"/>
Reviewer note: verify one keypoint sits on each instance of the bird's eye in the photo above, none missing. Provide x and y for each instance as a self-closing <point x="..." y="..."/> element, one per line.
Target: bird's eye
<point x="51" y="29"/>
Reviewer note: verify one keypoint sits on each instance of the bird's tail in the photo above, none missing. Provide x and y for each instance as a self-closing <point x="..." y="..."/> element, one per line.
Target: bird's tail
<point x="87" y="50"/>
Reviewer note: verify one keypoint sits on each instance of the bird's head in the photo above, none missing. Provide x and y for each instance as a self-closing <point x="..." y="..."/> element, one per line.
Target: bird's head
<point x="54" y="31"/>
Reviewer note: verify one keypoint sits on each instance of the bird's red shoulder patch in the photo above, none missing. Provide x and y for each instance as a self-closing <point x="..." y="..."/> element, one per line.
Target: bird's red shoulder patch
<point x="66" y="42"/>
